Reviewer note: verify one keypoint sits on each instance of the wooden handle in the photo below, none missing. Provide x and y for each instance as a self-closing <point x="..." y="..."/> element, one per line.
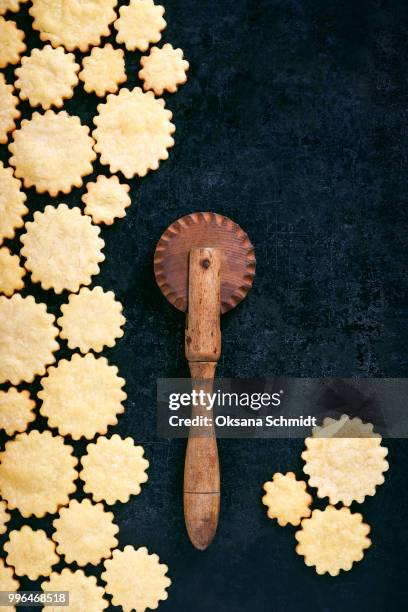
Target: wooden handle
<point x="203" y="348"/>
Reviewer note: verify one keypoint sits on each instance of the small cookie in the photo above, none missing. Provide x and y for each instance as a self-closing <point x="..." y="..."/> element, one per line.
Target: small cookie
<point x="11" y="43"/>
<point x="287" y="499"/>
<point x="103" y="70"/>
<point x="84" y="593"/>
<point x="47" y="77"/>
<point x="73" y="24"/>
<point x="133" y="132"/>
<point x="8" y="109"/>
<point x="27" y="337"/>
<point x="63" y="163"/>
<point x="140" y="23"/>
<point x="135" y="579"/>
<point x="83" y="396"/>
<point x="62" y="248"/>
<point x="10" y="5"/>
<point x="12" y="204"/>
<point x="16" y="410"/>
<point x="11" y="273"/>
<point x="30" y="552"/>
<point x="163" y="69"/>
<point x="8" y="583"/>
<point x="113" y="469"/>
<point x="4" y="517"/>
<point x="106" y="200"/>
<point x="344" y="469"/>
<point x="85" y="532"/>
<point x="37" y="473"/>
<point x="91" y="320"/>
<point x="332" y="540"/>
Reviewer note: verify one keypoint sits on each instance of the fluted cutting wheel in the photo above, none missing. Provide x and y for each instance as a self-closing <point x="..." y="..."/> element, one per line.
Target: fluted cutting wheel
<point x="204" y="229"/>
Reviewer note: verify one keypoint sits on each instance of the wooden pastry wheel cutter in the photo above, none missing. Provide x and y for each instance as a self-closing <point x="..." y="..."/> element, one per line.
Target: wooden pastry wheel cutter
<point x="204" y="264"/>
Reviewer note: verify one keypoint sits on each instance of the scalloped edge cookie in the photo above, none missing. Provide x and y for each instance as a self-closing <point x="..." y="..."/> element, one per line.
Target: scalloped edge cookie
<point x="60" y="166"/>
<point x="63" y="249"/>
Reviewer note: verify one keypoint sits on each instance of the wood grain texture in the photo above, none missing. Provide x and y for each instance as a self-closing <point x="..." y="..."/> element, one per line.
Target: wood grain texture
<point x="202" y="348"/>
<point x="203" y="334"/>
<point x="201" y="467"/>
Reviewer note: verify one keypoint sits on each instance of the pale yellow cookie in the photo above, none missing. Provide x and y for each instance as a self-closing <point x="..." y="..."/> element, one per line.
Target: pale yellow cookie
<point x="12" y="207"/>
<point x="135" y="579"/>
<point x="47" y="77"/>
<point x="103" y="70"/>
<point x="83" y="396"/>
<point x="30" y="552"/>
<point x="16" y="410"/>
<point x="287" y="499"/>
<point x="106" y="200"/>
<point x="62" y="248"/>
<point x="163" y="69"/>
<point x="344" y="427"/>
<point x="10" y="5"/>
<point x="91" y="320"/>
<point x="133" y="132"/>
<point x="332" y="540"/>
<point x="113" y="469"/>
<point x="27" y="339"/>
<point x="73" y="24"/>
<point x="8" y="109"/>
<point x="4" y="517"/>
<point x="62" y="163"/>
<point x="84" y="593"/>
<point x="140" y="23"/>
<point x="37" y="473"/>
<point x="85" y="532"/>
<point x="11" y="42"/>
<point x="8" y="583"/>
<point x="345" y="469"/>
<point x="11" y="273"/>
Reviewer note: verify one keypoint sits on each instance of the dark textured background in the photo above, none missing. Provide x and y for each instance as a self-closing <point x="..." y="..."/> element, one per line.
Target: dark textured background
<point x="293" y="123"/>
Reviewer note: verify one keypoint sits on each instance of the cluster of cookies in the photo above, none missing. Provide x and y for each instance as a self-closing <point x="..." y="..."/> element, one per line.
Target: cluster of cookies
<point x="345" y="462"/>
<point x="62" y="249"/>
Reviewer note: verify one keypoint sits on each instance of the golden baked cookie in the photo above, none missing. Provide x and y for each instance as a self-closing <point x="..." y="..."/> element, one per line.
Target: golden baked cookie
<point x="63" y="163"/>
<point x="11" y="42"/>
<point x="11" y="272"/>
<point x="91" y="320"/>
<point x="287" y="499"/>
<point x="332" y="540"/>
<point x="106" y="199"/>
<point x="47" y="77"/>
<point x="163" y="69"/>
<point x="82" y="396"/>
<point x="12" y="206"/>
<point x="16" y="410"/>
<point x="113" y="469"/>
<point x="8" y="109"/>
<point x="37" y="473"/>
<point x="30" y="552"/>
<point x="140" y="23"/>
<point x="85" y="532"/>
<point x="62" y="248"/>
<point x="84" y="593"/>
<point x="133" y="132"/>
<point x="103" y="70"/>
<point x="28" y="341"/>
<point x="73" y="24"/>
<point x="136" y="579"/>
